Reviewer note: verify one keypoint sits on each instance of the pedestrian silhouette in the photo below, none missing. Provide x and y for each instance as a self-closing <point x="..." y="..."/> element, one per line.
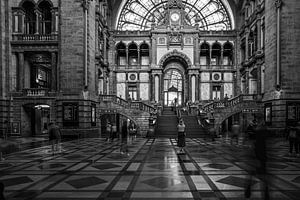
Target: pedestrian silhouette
<point x="2" y="191"/>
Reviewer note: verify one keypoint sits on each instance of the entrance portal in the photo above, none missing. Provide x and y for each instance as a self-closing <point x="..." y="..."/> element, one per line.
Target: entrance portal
<point x="38" y="117"/>
<point x="173" y="87"/>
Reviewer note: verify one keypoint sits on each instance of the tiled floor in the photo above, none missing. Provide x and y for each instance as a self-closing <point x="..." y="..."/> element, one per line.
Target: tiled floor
<point x="94" y="169"/>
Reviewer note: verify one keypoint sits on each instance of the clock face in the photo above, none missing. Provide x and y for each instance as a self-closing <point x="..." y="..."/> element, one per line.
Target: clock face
<point x="175" y="16"/>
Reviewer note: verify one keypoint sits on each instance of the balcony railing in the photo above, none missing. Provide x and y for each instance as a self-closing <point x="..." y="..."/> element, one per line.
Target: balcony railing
<point x="35" y="92"/>
<point x="138" y="105"/>
<point x="34" y="37"/>
<point x="217" y="67"/>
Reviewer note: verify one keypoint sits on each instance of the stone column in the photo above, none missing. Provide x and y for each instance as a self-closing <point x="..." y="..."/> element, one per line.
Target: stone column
<point x="197" y="88"/>
<point x="247" y="82"/>
<point x="278" y="4"/>
<point x="161" y="88"/>
<point x="37" y="21"/>
<point x="139" y="56"/>
<point x="259" y="34"/>
<point x="247" y="45"/>
<point x="189" y="86"/>
<point x="196" y="56"/>
<point x="104" y="46"/>
<point x="21" y="71"/>
<point x="53" y="71"/>
<point x="127" y="57"/>
<point x="210" y="54"/>
<point x="153" y="59"/>
<point x="258" y="79"/>
<point x="222" y="54"/>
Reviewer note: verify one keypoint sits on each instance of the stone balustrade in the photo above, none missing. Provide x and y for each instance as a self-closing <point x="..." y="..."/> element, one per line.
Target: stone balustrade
<point x="34" y="37"/>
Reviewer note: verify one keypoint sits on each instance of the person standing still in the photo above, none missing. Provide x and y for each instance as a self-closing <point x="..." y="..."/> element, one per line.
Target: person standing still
<point x="181" y="136"/>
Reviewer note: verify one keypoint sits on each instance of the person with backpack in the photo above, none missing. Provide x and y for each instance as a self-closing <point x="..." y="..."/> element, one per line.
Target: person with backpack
<point x="292" y="137"/>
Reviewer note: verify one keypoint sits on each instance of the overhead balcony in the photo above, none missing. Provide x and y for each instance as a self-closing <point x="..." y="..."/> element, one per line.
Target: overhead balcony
<point x="34" y="93"/>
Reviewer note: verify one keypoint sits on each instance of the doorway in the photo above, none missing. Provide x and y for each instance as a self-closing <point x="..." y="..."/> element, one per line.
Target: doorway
<point x="38" y="117"/>
<point x="173" y="87"/>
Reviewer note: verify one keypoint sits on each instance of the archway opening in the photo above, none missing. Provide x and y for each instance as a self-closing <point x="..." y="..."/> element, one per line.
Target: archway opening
<point x="173" y="85"/>
<point x="36" y="119"/>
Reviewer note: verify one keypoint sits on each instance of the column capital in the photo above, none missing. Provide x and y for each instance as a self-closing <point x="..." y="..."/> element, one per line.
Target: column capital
<point x="85" y="4"/>
<point x="278" y="4"/>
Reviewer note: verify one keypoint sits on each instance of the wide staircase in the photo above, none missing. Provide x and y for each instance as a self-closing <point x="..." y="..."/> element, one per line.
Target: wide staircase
<point x="221" y="110"/>
<point x="167" y="125"/>
<point x="192" y="127"/>
<point x="137" y="111"/>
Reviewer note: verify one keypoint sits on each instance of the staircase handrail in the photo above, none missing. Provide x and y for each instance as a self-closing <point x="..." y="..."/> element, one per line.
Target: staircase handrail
<point x="230" y="102"/>
<point x="124" y="103"/>
<point x="178" y="113"/>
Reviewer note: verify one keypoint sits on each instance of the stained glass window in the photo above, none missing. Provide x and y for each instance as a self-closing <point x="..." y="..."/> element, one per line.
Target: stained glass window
<point x="208" y="14"/>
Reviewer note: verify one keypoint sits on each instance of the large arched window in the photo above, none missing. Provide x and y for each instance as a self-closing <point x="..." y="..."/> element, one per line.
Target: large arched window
<point x="208" y="14"/>
<point x="30" y="17"/>
<point x="46" y="17"/>
<point x="133" y="54"/>
<point x="121" y="54"/>
<point x="144" y="49"/>
<point x="216" y="54"/>
<point x="204" y="54"/>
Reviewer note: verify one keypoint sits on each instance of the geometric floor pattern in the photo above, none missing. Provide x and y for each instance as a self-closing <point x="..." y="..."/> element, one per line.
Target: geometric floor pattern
<point x="95" y="169"/>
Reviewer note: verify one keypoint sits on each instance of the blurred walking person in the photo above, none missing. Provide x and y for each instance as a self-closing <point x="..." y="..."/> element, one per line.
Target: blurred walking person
<point x="124" y="136"/>
<point x="54" y="137"/>
<point x="108" y="131"/>
<point x="292" y="137"/>
<point x="113" y="131"/>
<point x="260" y="150"/>
<point x="2" y="191"/>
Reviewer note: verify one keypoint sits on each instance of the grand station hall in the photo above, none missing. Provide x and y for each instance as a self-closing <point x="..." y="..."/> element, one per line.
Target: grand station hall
<point x="149" y="99"/>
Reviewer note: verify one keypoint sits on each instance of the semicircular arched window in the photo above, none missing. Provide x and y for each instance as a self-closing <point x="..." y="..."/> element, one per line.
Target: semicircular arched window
<point x="208" y="14"/>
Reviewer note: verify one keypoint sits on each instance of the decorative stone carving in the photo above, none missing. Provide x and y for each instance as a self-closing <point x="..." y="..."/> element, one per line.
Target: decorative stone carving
<point x="278" y="3"/>
<point x="175" y="54"/>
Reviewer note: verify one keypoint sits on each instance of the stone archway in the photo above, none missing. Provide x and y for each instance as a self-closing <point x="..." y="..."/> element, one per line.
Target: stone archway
<point x="175" y="55"/>
<point x="173" y="84"/>
<point x="174" y="66"/>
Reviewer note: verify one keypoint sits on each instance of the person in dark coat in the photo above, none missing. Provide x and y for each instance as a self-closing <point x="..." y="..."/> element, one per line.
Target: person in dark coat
<point x="181" y="136"/>
<point x="2" y="191"/>
<point x="54" y="137"/>
<point x="124" y="135"/>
